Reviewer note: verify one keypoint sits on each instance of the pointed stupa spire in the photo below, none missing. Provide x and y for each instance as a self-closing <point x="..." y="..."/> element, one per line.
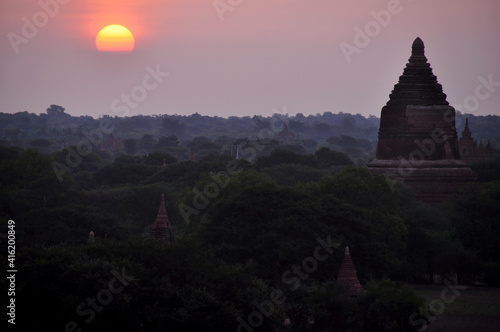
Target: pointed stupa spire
<point x="164" y="163"/>
<point x="417" y="88"/>
<point x="161" y="227"/>
<point x="347" y="276"/>
<point x="466" y="133"/>
<point x="418" y="85"/>
<point x="418" y="48"/>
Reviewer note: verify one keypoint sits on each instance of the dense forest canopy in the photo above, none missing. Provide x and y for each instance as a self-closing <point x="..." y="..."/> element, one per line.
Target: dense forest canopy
<point x="249" y="201"/>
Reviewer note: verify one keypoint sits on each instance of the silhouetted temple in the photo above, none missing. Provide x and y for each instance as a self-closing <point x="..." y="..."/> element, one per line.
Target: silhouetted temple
<point x="112" y="143"/>
<point x="417" y="140"/>
<point x="287" y="136"/>
<point x="347" y="276"/>
<point x="161" y="228"/>
<point x="470" y="151"/>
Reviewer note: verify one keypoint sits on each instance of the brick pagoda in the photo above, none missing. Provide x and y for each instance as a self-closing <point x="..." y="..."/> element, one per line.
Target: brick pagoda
<point x="417" y="140"/>
<point x="347" y="276"/>
<point x="161" y="228"/>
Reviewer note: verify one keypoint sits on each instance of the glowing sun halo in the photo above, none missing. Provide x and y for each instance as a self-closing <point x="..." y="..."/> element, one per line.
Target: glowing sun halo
<point x="115" y="38"/>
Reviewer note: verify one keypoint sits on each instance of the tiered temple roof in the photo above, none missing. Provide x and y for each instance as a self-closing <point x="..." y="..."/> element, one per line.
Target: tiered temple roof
<point x="417" y="141"/>
<point x="161" y="228"/>
<point x="347" y="276"/>
<point x="469" y="151"/>
<point x="416" y="106"/>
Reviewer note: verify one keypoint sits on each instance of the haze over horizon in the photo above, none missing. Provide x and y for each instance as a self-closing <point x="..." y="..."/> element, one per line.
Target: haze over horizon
<point x="252" y="58"/>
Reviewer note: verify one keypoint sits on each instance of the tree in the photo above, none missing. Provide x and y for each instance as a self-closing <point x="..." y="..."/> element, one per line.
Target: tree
<point x="474" y="213"/>
<point x="147" y="142"/>
<point x="387" y="306"/>
<point x="363" y="210"/>
<point x="296" y="126"/>
<point x="141" y="285"/>
<point x="173" y="126"/>
<point x="157" y="159"/>
<point x="279" y="157"/>
<point x="254" y="219"/>
<point x="327" y="158"/>
<point x="55" y="110"/>
<point x="130" y="145"/>
<point x="322" y="128"/>
<point x="40" y="143"/>
<point x="165" y="142"/>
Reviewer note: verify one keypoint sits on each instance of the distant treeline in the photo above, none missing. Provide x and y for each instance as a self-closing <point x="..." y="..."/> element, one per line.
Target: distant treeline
<point x="196" y="136"/>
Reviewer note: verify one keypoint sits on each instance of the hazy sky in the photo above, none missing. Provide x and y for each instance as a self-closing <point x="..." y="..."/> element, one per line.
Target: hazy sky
<point x="246" y="57"/>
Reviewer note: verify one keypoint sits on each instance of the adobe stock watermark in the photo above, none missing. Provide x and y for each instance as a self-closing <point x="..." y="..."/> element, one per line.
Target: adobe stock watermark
<point x="211" y="190"/>
<point x="482" y="92"/>
<point x="29" y="29"/>
<point x="93" y="305"/>
<point x="363" y="37"/>
<point x="152" y="80"/>
<point x="425" y="149"/>
<point x="223" y="6"/>
<point x="292" y="277"/>
<point x="435" y="307"/>
<point x="120" y="106"/>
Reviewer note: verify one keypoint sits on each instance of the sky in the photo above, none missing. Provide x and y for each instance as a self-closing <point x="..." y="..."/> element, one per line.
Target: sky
<point x="243" y="57"/>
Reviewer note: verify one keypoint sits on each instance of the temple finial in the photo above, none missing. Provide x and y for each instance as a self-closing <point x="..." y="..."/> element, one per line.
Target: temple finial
<point x="418" y="47"/>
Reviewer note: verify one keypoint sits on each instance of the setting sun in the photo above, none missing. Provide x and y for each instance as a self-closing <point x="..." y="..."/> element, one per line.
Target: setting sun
<point x="115" y="38"/>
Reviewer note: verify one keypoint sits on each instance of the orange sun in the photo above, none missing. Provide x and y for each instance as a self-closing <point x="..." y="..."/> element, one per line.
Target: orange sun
<point x="115" y="38"/>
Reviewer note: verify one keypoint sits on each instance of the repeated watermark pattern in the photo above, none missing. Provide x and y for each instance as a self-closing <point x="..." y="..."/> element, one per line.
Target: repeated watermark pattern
<point x="482" y="92"/>
<point x="121" y="107"/>
<point x="293" y="278"/>
<point x="363" y="37"/>
<point x="427" y="147"/>
<point x="30" y="27"/>
<point x="93" y="305"/>
<point x="220" y="180"/>
<point x="435" y="307"/>
<point x="223" y="6"/>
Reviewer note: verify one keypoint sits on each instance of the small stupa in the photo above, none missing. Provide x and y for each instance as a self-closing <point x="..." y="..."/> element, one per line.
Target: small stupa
<point x="91" y="236"/>
<point x="161" y="228"/>
<point x="347" y="276"/>
<point x="469" y="150"/>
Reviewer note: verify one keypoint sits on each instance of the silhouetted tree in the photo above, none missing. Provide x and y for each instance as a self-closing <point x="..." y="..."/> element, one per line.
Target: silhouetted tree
<point x="130" y="146"/>
<point x="173" y="126"/>
<point x="55" y="110"/>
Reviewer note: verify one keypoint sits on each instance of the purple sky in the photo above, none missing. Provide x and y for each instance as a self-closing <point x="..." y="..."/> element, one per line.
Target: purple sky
<point x="252" y="58"/>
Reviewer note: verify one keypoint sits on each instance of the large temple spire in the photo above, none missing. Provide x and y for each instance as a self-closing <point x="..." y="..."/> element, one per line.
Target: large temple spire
<point x="418" y="85"/>
<point x="417" y="138"/>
